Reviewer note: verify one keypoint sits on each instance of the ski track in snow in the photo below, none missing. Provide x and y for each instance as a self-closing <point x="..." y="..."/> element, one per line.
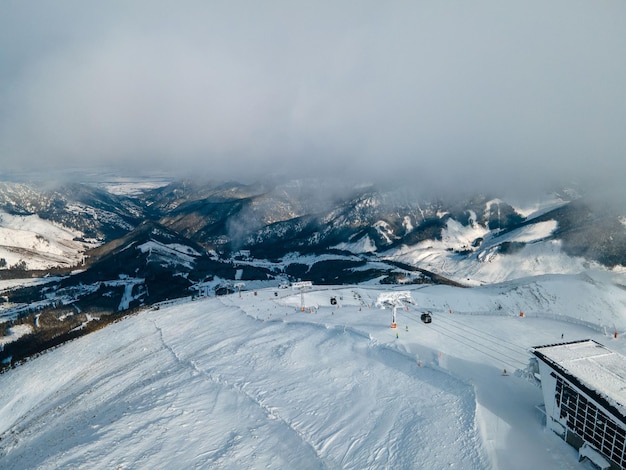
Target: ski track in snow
<point x="281" y="382"/>
<point x="216" y="379"/>
<point x="323" y="447"/>
<point x="250" y="381"/>
<point x="269" y="411"/>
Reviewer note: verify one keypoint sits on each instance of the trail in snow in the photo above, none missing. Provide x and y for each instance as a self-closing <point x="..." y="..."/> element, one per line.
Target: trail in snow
<point x="202" y="385"/>
<point x="253" y="382"/>
<point x="312" y="413"/>
<point x="507" y="417"/>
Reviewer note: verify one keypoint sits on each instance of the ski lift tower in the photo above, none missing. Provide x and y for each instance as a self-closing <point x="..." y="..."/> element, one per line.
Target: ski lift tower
<point x="302" y="286"/>
<point x="394" y="300"/>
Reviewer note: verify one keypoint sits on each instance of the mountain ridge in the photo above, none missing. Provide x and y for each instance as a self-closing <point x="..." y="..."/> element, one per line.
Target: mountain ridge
<point x="273" y="220"/>
<point x="139" y="247"/>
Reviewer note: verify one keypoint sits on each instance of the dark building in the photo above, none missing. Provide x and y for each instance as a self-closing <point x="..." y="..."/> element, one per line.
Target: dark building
<point x="584" y="391"/>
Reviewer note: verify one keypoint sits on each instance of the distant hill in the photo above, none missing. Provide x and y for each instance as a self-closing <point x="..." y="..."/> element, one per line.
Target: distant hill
<point x="119" y="247"/>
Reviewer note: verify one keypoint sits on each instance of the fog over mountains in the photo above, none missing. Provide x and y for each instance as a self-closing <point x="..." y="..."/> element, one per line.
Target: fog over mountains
<point x="271" y="220"/>
<point x="177" y="165"/>
<point x="116" y="244"/>
<point x="440" y="95"/>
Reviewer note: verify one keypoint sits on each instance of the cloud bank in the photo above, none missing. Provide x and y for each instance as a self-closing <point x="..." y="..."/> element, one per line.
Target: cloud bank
<point x="471" y="95"/>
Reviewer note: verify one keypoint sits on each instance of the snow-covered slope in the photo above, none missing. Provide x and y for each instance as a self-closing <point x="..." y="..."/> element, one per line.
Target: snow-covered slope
<point x="480" y="240"/>
<point x="32" y="243"/>
<point x="251" y="381"/>
<point x="526" y="251"/>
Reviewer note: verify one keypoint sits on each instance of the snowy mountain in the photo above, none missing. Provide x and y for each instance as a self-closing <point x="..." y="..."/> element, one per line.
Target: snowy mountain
<point x="272" y="221"/>
<point x="180" y="369"/>
<point x="112" y="246"/>
<point x="30" y="242"/>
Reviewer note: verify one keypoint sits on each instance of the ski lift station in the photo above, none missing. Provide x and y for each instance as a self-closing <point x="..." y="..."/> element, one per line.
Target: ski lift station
<point x="584" y="391"/>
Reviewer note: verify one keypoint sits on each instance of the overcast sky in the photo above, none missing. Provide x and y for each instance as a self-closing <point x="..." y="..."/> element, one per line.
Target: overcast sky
<point x="453" y="92"/>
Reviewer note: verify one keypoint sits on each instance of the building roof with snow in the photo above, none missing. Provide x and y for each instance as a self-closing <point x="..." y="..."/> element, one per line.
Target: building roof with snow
<point x="595" y="369"/>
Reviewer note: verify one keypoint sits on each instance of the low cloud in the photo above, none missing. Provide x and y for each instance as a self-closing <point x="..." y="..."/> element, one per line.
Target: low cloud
<point x="442" y="94"/>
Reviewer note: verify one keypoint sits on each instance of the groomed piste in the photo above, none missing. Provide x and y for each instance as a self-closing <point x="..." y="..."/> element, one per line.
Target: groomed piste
<point x="250" y="380"/>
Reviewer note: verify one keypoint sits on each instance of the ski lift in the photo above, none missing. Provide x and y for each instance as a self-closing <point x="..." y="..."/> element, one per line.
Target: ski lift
<point x="394" y="300"/>
<point x="426" y="317"/>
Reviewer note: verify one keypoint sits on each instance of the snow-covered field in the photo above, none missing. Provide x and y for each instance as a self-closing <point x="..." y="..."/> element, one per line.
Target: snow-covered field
<point x="487" y="265"/>
<point x="38" y="243"/>
<point x="127" y="186"/>
<point x="252" y="381"/>
<point x="15" y="332"/>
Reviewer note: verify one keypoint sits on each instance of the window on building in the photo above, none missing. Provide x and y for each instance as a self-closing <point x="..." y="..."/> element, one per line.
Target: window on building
<point x="589" y="422"/>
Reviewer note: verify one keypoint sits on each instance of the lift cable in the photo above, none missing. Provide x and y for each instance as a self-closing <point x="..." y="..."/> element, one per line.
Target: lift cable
<point x="498" y="356"/>
<point x="515" y="348"/>
<point x="473" y="345"/>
